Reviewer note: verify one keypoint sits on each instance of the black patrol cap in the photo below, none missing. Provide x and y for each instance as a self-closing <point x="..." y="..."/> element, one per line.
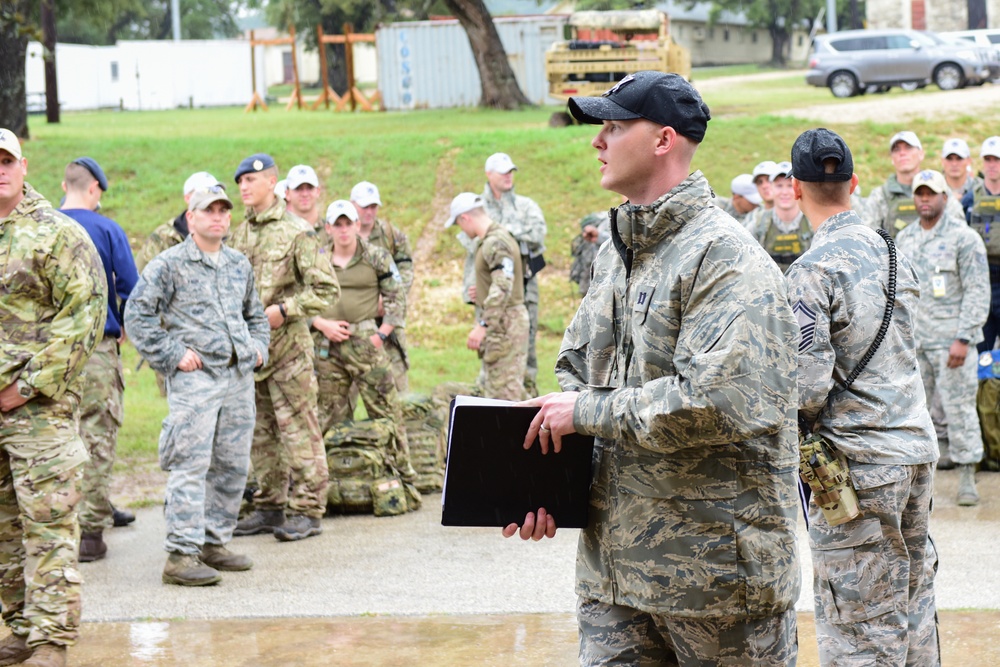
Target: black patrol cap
<point x="254" y="163"/>
<point x="811" y="149"/>
<point x="666" y="99"/>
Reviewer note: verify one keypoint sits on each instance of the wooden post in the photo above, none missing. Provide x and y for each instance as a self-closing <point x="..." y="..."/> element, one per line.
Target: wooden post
<point x="255" y="100"/>
<point x="327" y="93"/>
<point x="349" y="63"/>
<point x="296" y="97"/>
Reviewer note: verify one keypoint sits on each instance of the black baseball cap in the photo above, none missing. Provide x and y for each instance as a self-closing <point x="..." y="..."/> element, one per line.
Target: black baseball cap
<point x="90" y="164"/>
<point x="666" y="99"/>
<point x="812" y="148"/>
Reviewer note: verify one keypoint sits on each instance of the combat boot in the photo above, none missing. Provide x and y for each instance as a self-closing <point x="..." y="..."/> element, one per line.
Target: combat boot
<point x="298" y="527"/>
<point x="47" y="655"/>
<point x="92" y="547"/>
<point x="221" y="558"/>
<point x="121" y="518"/>
<point x="14" y="649"/>
<point x="260" y="521"/>
<point x="967" y="494"/>
<point x="187" y="570"/>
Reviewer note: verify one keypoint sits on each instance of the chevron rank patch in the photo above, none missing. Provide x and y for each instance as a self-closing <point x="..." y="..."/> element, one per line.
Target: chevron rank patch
<point x="807" y="325"/>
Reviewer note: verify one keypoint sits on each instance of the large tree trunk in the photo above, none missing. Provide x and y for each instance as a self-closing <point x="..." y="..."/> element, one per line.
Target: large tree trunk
<point x="49" y="43"/>
<point x="779" y="42"/>
<point x="500" y="89"/>
<point x="13" y="48"/>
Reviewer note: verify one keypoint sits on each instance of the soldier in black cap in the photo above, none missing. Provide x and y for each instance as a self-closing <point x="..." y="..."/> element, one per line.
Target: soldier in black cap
<point x="680" y="362"/>
<point x="296" y="282"/>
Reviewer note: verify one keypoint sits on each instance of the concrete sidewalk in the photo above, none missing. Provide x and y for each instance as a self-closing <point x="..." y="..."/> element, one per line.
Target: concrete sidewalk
<point x="411" y="565"/>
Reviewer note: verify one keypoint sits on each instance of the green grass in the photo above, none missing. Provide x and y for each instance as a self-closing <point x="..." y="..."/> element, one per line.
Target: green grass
<point x="148" y="155"/>
<point x="703" y="73"/>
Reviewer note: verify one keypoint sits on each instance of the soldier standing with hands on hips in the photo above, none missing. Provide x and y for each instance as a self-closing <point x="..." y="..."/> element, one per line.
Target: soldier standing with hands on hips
<point x="681" y="363"/>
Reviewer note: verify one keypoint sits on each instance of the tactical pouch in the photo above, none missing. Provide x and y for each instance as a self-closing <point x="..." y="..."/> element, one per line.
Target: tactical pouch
<point x="388" y="496"/>
<point x="828" y="477"/>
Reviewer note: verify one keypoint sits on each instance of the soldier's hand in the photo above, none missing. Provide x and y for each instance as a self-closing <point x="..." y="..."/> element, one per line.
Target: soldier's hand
<point x="590" y="233"/>
<point x="189" y="362"/>
<point x="957" y="353"/>
<point x="274" y="317"/>
<point x="476" y="336"/>
<point x="535" y="527"/>
<point x="376" y="341"/>
<point x="10" y="398"/>
<point x="553" y="421"/>
<point x="260" y="360"/>
<point x="381" y="308"/>
<point x="472" y="293"/>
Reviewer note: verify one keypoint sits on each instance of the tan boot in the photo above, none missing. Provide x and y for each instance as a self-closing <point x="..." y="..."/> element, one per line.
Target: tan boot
<point x="14" y="649"/>
<point x="186" y="570"/>
<point x="967" y="493"/>
<point x="221" y="558"/>
<point x="47" y="655"/>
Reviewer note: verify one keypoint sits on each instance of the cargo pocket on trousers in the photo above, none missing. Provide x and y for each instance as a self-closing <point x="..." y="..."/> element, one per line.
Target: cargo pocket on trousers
<point x="167" y="447"/>
<point x="495" y="346"/>
<point x="854" y="582"/>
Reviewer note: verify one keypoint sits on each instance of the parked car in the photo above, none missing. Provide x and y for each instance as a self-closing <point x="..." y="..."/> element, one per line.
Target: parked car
<point x="988" y="39"/>
<point x="852" y="61"/>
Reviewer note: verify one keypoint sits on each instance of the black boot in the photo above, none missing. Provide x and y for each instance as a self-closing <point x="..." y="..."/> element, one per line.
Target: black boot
<point x="121" y="517"/>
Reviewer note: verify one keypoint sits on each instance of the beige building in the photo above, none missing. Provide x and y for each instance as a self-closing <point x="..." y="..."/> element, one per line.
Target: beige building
<point x="937" y="15"/>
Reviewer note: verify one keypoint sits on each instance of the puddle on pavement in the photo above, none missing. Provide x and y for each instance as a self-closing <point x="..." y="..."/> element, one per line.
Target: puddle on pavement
<point x="438" y="641"/>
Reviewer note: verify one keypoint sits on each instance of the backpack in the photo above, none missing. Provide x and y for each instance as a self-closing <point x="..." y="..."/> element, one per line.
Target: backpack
<point x="362" y="478"/>
<point x="425" y="431"/>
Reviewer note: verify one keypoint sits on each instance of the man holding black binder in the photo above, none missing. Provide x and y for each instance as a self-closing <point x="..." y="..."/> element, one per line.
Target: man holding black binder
<point x="681" y="363"/>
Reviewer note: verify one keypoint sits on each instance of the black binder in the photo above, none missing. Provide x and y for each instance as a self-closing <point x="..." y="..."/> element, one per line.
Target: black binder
<point x="492" y="481"/>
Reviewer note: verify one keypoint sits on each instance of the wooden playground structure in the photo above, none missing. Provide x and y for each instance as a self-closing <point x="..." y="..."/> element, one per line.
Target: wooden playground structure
<point x="353" y="96"/>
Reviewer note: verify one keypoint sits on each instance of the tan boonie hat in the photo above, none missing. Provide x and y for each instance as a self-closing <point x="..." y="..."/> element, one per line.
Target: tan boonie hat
<point x="931" y="179"/>
<point x="9" y="143"/>
<point x="202" y="199"/>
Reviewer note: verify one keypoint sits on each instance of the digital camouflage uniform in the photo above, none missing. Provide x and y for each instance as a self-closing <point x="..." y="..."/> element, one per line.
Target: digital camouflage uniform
<point x="101" y="381"/>
<point x="783" y="241"/>
<point x="187" y="300"/>
<point x="523" y="218"/>
<point x="165" y="236"/>
<point x="584" y="252"/>
<point x="53" y="304"/>
<point x="370" y="273"/>
<point x="950" y="261"/>
<point x="291" y="268"/>
<point x="890" y="207"/>
<point x="726" y="204"/>
<point x="683" y="352"/>
<point x="874" y="575"/>
<point x="500" y="304"/>
<point x="397" y="244"/>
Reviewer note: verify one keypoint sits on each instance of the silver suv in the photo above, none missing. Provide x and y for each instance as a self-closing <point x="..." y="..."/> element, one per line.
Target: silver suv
<point x="853" y="61"/>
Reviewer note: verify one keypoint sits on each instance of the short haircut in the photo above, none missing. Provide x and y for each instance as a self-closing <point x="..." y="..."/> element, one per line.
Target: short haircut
<point x="830" y="193"/>
<point x="78" y="178"/>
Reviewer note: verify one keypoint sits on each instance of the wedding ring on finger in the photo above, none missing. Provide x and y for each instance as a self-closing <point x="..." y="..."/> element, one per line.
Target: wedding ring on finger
<point x="544" y="428"/>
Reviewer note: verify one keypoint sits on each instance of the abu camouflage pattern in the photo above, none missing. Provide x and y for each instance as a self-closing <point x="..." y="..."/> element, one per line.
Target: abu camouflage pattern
<point x="53" y="297"/>
<point x="683" y="352"/>
<point x="838" y="291"/>
<point x="890" y="207"/>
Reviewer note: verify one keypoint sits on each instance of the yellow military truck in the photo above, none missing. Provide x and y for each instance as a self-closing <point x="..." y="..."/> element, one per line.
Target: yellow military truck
<point x="605" y="46"/>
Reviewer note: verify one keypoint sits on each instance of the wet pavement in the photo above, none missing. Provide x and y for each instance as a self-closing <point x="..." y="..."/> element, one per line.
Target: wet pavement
<point x="407" y="591"/>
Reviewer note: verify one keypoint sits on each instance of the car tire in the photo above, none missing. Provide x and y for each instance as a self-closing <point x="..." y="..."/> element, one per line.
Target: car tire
<point x="948" y="76"/>
<point x="843" y="84"/>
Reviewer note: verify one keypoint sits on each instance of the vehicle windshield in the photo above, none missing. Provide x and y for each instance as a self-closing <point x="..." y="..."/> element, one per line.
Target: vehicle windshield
<point x="933" y="39"/>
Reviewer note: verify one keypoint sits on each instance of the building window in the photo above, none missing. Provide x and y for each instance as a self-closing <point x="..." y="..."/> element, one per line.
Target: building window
<point x="725" y="34"/>
<point x="753" y="37"/>
<point x="800" y="40"/>
<point x="114" y="71"/>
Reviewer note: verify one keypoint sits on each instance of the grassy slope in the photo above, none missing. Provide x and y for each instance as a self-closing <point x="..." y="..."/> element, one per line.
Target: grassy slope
<point x="148" y="155"/>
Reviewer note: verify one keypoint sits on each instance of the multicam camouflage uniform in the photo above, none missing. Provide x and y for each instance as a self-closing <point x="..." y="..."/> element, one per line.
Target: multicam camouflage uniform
<point x="53" y="304"/>
<point x="950" y="261"/>
<point x="890" y="206"/>
<point x="523" y="218"/>
<point x="370" y="274"/>
<point x="500" y="304"/>
<point x="292" y="269"/>
<point x="397" y="244"/>
<point x="874" y="575"/>
<point x="683" y="354"/>
<point x="185" y="300"/>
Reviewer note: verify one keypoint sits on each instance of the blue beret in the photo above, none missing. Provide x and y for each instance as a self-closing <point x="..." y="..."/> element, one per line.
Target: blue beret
<point x="254" y="163"/>
<point x="95" y="171"/>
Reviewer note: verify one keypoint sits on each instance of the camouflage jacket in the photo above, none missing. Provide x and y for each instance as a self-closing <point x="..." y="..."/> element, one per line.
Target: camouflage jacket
<point x="837" y="289"/>
<point x="53" y="297"/>
<point x="950" y="261"/>
<point x="291" y="268"/>
<point x="397" y="244"/>
<point x="726" y="204"/>
<point x="499" y="283"/>
<point x="185" y="300"/>
<point x="880" y="206"/>
<point x="523" y="218"/>
<point x="165" y="236"/>
<point x="683" y="352"/>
